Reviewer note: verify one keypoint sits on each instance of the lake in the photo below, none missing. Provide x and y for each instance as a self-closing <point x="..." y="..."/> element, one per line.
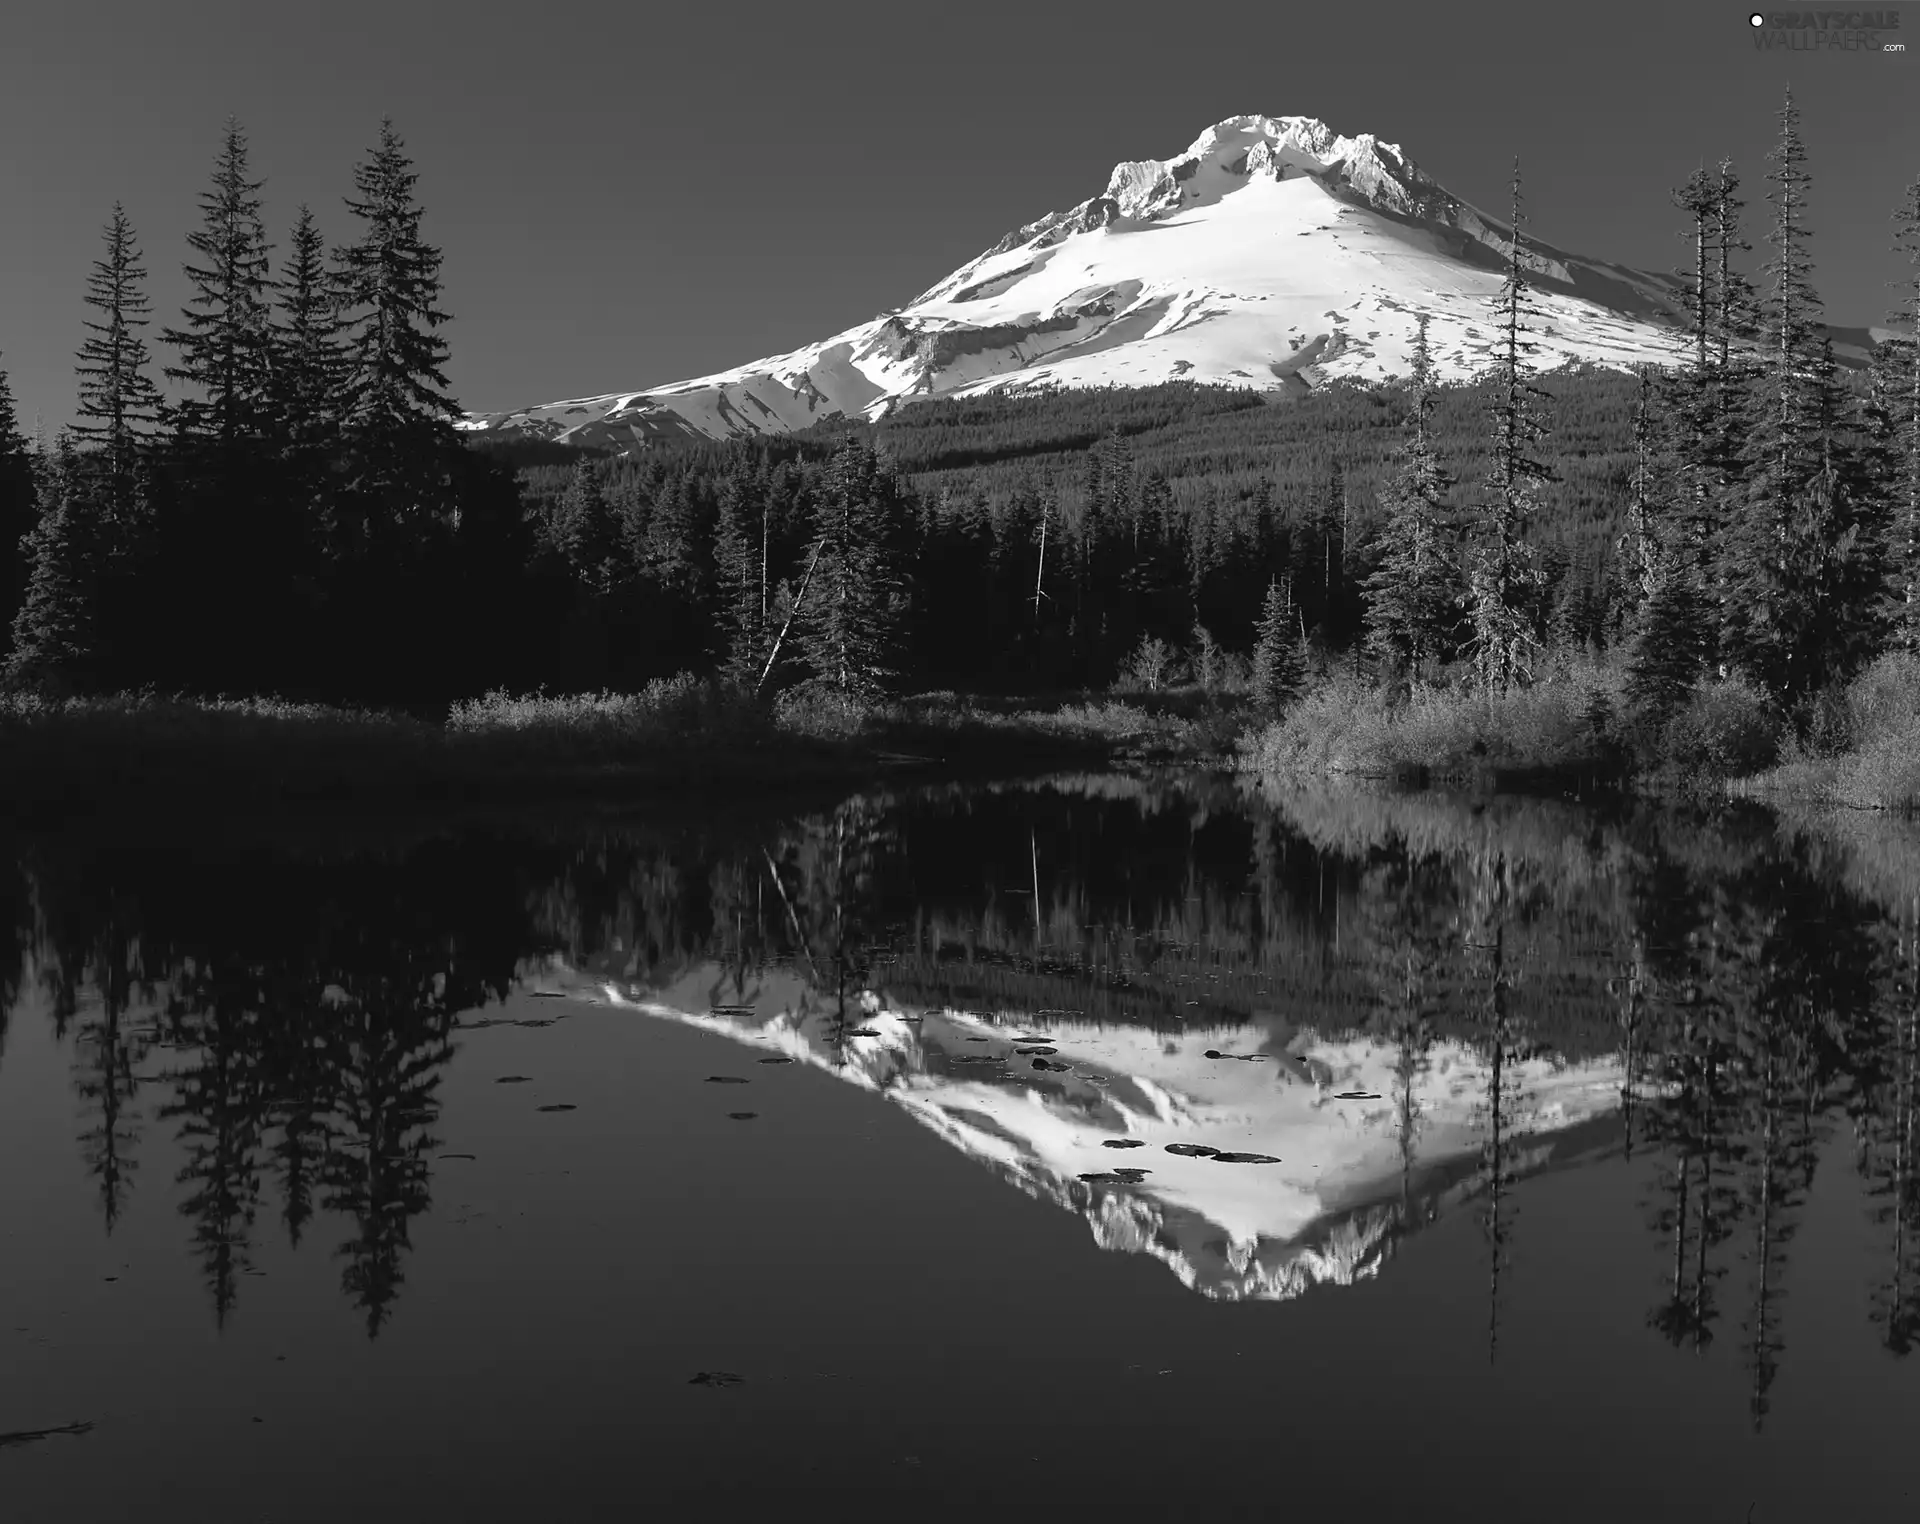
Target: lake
<point x="1141" y="1145"/>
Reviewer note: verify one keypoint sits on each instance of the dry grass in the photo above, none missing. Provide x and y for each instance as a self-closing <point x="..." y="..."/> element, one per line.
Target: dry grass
<point x="1353" y="728"/>
<point x="1872" y="761"/>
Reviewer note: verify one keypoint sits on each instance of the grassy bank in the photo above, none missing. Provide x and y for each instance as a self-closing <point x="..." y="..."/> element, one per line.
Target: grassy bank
<point x="678" y="734"/>
<point x="1573" y="726"/>
<point x="1864" y="753"/>
<point x="1855" y="747"/>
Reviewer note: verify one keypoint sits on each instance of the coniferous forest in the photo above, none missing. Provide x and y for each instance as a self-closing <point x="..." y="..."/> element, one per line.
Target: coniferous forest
<point x="295" y="512"/>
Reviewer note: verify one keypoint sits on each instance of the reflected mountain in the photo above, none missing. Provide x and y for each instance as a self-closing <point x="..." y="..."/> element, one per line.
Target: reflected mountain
<point x="1409" y="1003"/>
<point x="1254" y="1160"/>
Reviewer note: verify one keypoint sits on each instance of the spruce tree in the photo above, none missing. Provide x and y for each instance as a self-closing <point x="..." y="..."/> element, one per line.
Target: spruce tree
<point x="1669" y="625"/>
<point x="307" y="366"/>
<point x="1504" y="580"/>
<point x="583" y="528"/>
<point x="18" y="511"/>
<point x="225" y="342"/>
<point x="1897" y="388"/>
<point x="54" y="633"/>
<point x="399" y="414"/>
<point x="119" y="407"/>
<point x="1413" y="597"/>
<point x="849" y="622"/>
<point x="740" y="575"/>
<point x="1802" y="560"/>
<point x="308" y="359"/>
<point x="1279" y="663"/>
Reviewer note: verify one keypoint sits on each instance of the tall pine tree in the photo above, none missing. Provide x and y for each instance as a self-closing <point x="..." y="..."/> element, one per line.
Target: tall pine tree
<point x="1504" y="579"/>
<point x="399" y="414"/>
<point x="1897" y="385"/>
<point x="849" y="622"/>
<point x="225" y="341"/>
<point x="1802" y="560"/>
<point x="55" y="643"/>
<point x="18" y="511"/>
<point x="307" y="381"/>
<point x="740" y="572"/>
<point x="1279" y="662"/>
<point x="119" y="407"/>
<point x="1413" y="597"/>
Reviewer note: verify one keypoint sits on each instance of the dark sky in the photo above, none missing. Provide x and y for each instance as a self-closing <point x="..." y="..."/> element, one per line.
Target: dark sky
<point x="634" y="194"/>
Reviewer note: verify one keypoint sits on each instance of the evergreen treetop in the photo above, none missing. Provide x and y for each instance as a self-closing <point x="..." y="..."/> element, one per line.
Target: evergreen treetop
<point x="118" y="404"/>
<point x="225" y="341"/>
<point x="389" y="292"/>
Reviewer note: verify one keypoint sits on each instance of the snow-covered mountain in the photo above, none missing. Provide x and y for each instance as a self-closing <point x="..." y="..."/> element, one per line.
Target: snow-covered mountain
<point x="1253" y="1164"/>
<point x="1273" y="253"/>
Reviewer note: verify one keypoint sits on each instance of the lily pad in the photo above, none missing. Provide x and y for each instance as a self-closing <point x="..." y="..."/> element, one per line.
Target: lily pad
<point x="1099" y="1178"/>
<point x="1245" y="1159"/>
<point x="1035" y="1052"/>
<point x="717" y="1378"/>
<point x="863" y="1032"/>
<point x="514" y="1079"/>
<point x="1358" y="1095"/>
<point x="1192" y="1150"/>
<point x="725" y="1079"/>
<point x="1041" y="1063"/>
<point x="557" y="1106"/>
<point x="776" y="1060"/>
<point x="1132" y="1176"/>
<point x="742" y="1116"/>
<point x="1123" y="1143"/>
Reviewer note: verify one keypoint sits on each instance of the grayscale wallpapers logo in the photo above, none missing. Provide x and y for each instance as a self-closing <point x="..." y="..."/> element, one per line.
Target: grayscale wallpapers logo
<point x="1825" y="31"/>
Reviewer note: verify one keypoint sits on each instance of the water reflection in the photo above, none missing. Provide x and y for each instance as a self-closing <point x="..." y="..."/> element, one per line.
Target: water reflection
<point x="1383" y="1010"/>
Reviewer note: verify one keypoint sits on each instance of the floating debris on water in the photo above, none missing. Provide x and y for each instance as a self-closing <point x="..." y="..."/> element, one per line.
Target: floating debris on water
<point x="557" y="1106"/>
<point x="514" y="1079"/>
<point x="1358" y="1095"/>
<point x="725" y="1079"/>
<point x="730" y="1010"/>
<point x="742" y="1116"/>
<point x="1123" y="1143"/>
<point x="32" y="1436"/>
<point x="863" y="1032"/>
<point x="1245" y="1058"/>
<point x="782" y="1060"/>
<point x="717" y="1378"/>
<point x="458" y="1156"/>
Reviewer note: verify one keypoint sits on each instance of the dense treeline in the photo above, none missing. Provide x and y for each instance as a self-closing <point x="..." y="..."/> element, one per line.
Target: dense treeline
<point x="303" y="518"/>
<point x="306" y="519"/>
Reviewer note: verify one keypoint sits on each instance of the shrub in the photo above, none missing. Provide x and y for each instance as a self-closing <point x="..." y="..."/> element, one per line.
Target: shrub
<point x="1150" y="666"/>
<point x="1884" y="700"/>
<point x="1726" y="728"/>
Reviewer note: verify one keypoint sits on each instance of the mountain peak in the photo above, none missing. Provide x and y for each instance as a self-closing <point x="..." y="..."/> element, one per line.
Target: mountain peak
<point x="1273" y="253"/>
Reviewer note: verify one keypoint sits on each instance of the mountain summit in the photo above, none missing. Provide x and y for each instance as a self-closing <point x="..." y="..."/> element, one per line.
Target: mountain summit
<point x="1273" y="253"/>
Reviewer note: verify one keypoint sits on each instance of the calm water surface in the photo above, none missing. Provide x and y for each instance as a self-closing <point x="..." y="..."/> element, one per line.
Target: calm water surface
<point x="1153" y="1147"/>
